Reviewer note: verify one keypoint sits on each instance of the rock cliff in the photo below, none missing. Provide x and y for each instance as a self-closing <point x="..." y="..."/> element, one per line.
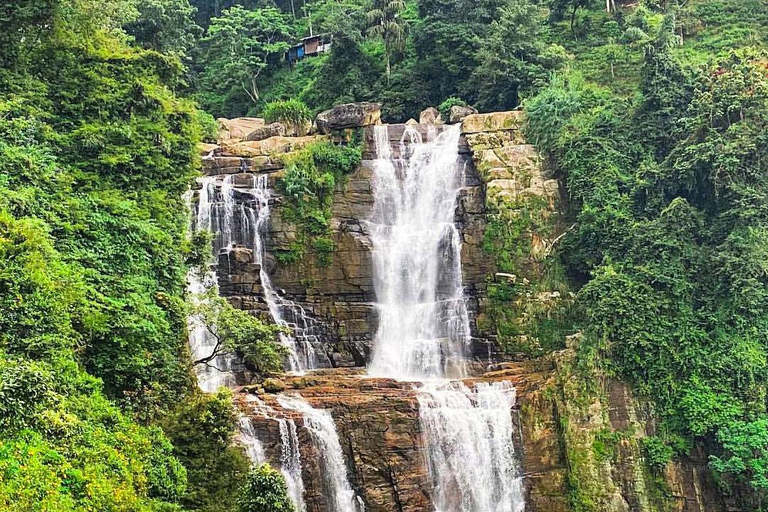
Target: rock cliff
<point x="580" y="441"/>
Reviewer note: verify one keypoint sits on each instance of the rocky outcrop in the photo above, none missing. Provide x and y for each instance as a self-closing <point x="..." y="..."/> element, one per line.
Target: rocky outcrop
<point x="238" y="128"/>
<point x="350" y="115"/>
<point x="579" y="450"/>
<point x="459" y="113"/>
<point x="265" y="132"/>
<point x="430" y="116"/>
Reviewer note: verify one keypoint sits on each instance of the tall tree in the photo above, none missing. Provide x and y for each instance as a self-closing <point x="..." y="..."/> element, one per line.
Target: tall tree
<point x="514" y="57"/>
<point x="384" y="20"/>
<point x="240" y="45"/>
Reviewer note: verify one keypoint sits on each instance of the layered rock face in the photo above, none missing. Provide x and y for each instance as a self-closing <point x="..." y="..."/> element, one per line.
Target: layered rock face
<point x="575" y="449"/>
<point x="338" y="294"/>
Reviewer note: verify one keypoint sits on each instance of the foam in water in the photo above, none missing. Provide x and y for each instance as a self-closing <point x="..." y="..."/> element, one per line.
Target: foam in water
<point x="320" y="425"/>
<point x="470" y="451"/>
<point x="423" y="322"/>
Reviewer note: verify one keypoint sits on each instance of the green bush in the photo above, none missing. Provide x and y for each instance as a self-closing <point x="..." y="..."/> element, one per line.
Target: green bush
<point x="264" y="491"/>
<point x="293" y="113"/>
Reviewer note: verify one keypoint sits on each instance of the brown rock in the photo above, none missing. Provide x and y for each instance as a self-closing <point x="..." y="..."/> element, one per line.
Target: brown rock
<point x="265" y="132"/>
<point x="350" y="115"/>
<point x="268" y="147"/>
<point x="459" y="113"/>
<point x="430" y="116"/>
<point x="238" y="128"/>
<point x="493" y="122"/>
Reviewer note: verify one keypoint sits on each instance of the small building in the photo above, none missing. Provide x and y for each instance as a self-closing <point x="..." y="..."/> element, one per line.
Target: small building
<point x="309" y="47"/>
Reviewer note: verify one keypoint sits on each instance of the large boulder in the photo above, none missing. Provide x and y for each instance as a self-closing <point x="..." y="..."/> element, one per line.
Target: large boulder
<point x="238" y="128"/>
<point x="430" y="116"/>
<point x="349" y="115"/>
<point x="265" y="132"/>
<point x="459" y="113"/>
<point x="493" y="122"/>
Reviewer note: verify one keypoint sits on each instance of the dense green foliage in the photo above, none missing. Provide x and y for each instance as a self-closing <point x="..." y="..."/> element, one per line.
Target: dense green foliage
<point x="265" y="491"/>
<point x="238" y="332"/>
<point x="96" y="150"/>
<point x="406" y="54"/>
<point x="666" y="178"/>
<point x="201" y="430"/>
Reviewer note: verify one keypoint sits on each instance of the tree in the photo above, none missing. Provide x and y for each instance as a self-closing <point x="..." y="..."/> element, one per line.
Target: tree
<point x="236" y="331"/>
<point x="240" y="46"/>
<point x="265" y="491"/>
<point x="166" y="26"/>
<point x="384" y="21"/>
<point x="514" y="57"/>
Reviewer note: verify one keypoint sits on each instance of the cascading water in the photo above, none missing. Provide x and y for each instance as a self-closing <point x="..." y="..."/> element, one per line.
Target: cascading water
<point x="320" y="424"/>
<point x="423" y="322"/>
<point x="217" y="372"/>
<point x="238" y="215"/>
<point x="246" y="436"/>
<point x="299" y="336"/>
<point x="290" y="463"/>
<point x="470" y="449"/>
<point x="424" y="325"/>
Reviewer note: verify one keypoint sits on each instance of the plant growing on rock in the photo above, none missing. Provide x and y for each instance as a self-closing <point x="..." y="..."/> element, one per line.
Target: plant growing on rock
<point x="237" y="331"/>
<point x="293" y="113"/>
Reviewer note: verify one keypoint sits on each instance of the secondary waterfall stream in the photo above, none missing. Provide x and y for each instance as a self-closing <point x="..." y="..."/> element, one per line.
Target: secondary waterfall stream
<point x="333" y="468"/>
<point x="237" y="215"/>
<point x="424" y="327"/>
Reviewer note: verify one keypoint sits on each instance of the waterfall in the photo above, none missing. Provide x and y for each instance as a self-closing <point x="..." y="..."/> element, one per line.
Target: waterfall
<point x="246" y="436"/>
<point x="319" y="423"/>
<point x="290" y="463"/>
<point x="470" y="450"/>
<point x="218" y="372"/>
<point x="238" y="215"/>
<point x="299" y="336"/>
<point x="423" y="322"/>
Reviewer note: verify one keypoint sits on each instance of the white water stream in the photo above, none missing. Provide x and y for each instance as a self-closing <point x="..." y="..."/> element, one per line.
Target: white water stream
<point x="238" y="216"/>
<point x="424" y="328"/>
<point x="470" y="448"/>
<point x="337" y="490"/>
<point x="423" y="322"/>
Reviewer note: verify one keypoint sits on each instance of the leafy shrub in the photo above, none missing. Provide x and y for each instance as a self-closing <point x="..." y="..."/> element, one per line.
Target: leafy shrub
<point x="265" y="491"/>
<point x="657" y="453"/>
<point x="293" y="113"/>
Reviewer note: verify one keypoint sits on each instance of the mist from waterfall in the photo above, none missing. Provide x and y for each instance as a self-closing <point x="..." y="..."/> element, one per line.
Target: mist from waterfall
<point x="423" y="322"/>
<point x="470" y="449"/>
<point x="337" y="489"/>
